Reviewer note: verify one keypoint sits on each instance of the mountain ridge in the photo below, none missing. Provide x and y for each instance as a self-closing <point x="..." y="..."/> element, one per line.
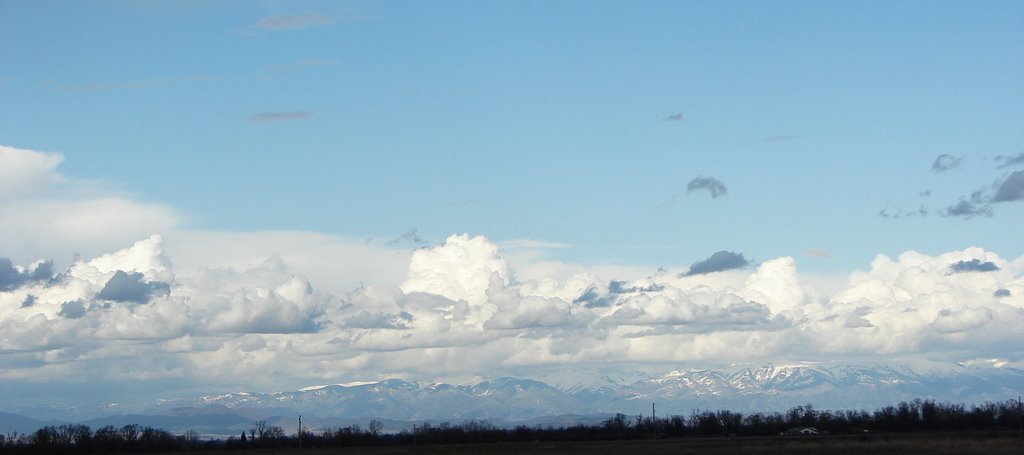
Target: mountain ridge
<point x="745" y="388"/>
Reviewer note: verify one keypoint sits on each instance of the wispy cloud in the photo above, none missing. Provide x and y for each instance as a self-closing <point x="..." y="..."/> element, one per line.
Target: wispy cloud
<point x="820" y="254"/>
<point x="667" y="203"/>
<point x="1010" y="161"/>
<point x="714" y="186"/>
<point x="292" y="22"/>
<point x="677" y="117"/>
<point x="408" y="236"/>
<point x="897" y="212"/>
<point x="945" y="162"/>
<point x="279" y="116"/>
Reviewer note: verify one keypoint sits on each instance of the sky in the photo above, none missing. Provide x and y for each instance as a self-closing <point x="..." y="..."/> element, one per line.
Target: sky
<point x="192" y="192"/>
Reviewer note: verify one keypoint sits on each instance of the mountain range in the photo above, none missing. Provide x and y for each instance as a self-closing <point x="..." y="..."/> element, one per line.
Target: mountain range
<point x="560" y="399"/>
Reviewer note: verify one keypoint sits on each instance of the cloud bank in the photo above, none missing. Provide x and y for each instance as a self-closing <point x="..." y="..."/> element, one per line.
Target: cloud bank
<point x="164" y="309"/>
<point x="461" y="312"/>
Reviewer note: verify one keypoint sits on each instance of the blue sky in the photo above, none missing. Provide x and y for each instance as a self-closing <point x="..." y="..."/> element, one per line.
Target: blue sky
<point x="536" y="120"/>
<point x="588" y="141"/>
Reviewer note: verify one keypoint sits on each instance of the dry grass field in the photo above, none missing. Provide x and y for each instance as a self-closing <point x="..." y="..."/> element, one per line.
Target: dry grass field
<point x="959" y="443"/>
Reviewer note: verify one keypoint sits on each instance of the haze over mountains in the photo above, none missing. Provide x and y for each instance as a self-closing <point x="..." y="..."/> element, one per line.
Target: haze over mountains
<point x="504" y="401"/>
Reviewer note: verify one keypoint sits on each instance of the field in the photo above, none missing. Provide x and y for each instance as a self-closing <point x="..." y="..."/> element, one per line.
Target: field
<point x="938" y="443"/>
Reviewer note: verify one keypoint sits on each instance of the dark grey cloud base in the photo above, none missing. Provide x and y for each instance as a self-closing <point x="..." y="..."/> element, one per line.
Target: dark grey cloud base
<point x="131" y="287"/>
<point x="718" y="262"/>
<point x="979" y="203"/>
<point x="974" y="265"/>
<point x="12" y="278"/>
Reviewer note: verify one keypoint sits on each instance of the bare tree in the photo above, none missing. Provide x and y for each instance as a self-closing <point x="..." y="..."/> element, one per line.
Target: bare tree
<point x="260" y="430"/>
<point x="375" y="427"/>
<point x="130" y="433"/>
<point x="191" y="438"/>
<point x="275" y="432"/>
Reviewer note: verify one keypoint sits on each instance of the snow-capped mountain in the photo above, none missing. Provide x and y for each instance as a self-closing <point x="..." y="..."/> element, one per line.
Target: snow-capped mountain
<point x="779" y="387"/>
<point x="503" y="398"/>
<point x="742" y="388"/>
<point x="746" y="388"/>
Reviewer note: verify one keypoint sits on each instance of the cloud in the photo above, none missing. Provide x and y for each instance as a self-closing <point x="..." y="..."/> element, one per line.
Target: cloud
<point x="131" y="287"/>
<point x="714" y="186"/>
<point x="592" y="297"/>
<point x="408" y="236"/>
<point x="962" y="320"/>
<point x="461" y="310"/>
<point x="38" y="217"/>
<point x="26" y="172"/>
<point x="973" y="265"/>
<point x="380" y="320"/>
<point x="1011" y="189"/>
<point x="271" y="310"/>
<point x="898" y="212"/>
<point x="459" y="269"/>
<point x="625" y="287"/>
<point x="1010" y="161"/>
<point x="720" y="261"/>
<point x="979" y="202"/>
<point x="293" y="22"/>
<point x="280" y="116"/>
<point x="677" y="117"/>
<point x="945" y="162"/>
<point x="262" y="299"/>
<point x="13" y="277"/>
<point x="700" y="311"/>
<point x="72" y="310"/>
<point x="820" y="254"/>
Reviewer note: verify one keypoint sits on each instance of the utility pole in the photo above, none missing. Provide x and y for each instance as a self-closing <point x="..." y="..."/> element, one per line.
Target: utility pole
<point x="654" y="423"/>
<point x="300" y="431"/>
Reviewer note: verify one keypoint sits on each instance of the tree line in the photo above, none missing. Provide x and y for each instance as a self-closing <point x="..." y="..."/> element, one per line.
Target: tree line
<point x="907" y="416"/>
